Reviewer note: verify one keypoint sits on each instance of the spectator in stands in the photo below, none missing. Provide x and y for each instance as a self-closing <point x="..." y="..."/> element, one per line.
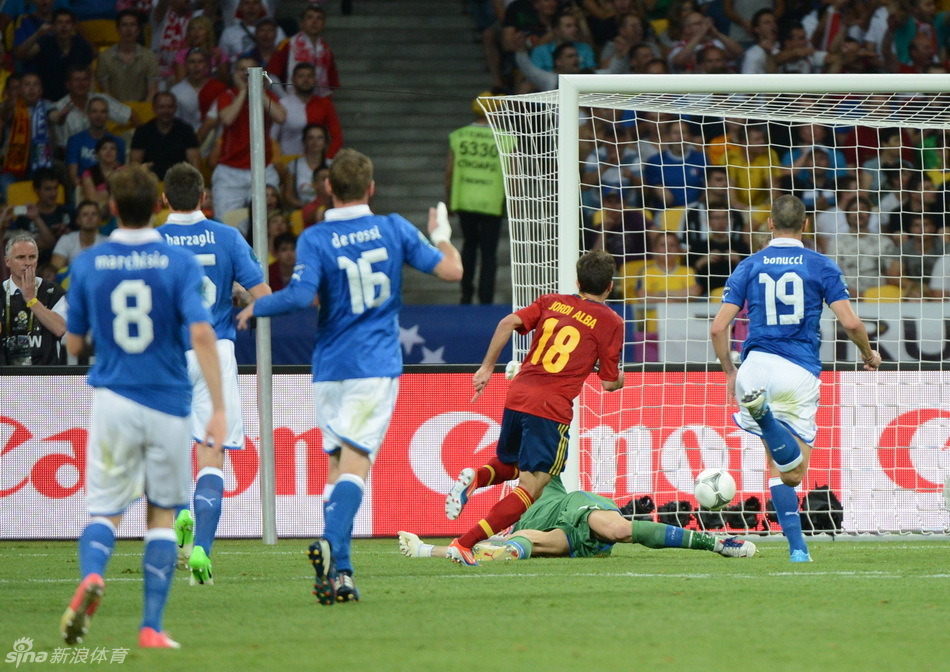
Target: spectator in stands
<point x="742" y="15"/>
<point x="308" y="46"/>
<point x="277" y="224"/>
<point x="200" y="34"/>
<point x="699" y="32"/>
<point x="59" y="50"/>
<point x="676" y="175"/>
<point x="754" y="170"/>
<point x="81" y="146"/>
<point x="760" y="56"/>
<point x="566" y="31"/>
<point x="305" y="107"/>
<point x="712" y="61"/>
<point x="633" y="33"/>
<point x="866" y="258"/>
<point x="923" y="247"/>
<point x="528" y="24"/>
<point x="196" y="94"/>
<point x="602" y="19"/>
<point x="298" y="181"/>
<point x="714" y="256"/>
<point x="486" y="15"/>
<point x="238" y="38"/>
<point x="813" y="182"/>
<point x="920" y="19"/>
<point x="797" y="54"/>
<point x="566" y="62"/>
<point x="95" y="181"/>
<point x="667" y="279"/>
<point x="29" y="143"/>
<point x="68" y="115"/>
<point x="923" y="54"/>
<point x="32" y="310"/>
<point x="231" y="10"/>
<point x="313" y="211"/>
<point x="164" y="141"/>
<point x="127" y="70"/>
<point x="265" y="49"/>
<point x="285" y="258"/>
<point x="694" y="227"/>
<point x="834" y="220"/>
<point x="890" y="141"/>
<point x="620" y="230"/>
<point x="808" y="138"/>
<point x="231" y="179"/>
<point x="169" y="22"/>
<point x="88" y="219"/>
<point x="31" y="28"/>
<point x="46" y="220"/>
<point x="837" y="20"/>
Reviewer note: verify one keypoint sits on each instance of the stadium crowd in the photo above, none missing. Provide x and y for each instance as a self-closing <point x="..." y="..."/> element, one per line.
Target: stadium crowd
<point x="681" y="200"/>
<point x="91" y="87"/>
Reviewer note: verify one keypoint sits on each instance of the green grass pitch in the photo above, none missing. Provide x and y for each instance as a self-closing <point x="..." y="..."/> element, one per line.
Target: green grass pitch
<point x="861" y="606"/>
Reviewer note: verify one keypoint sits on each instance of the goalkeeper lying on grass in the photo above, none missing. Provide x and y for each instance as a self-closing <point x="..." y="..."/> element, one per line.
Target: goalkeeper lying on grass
<point x="579" y="525"/>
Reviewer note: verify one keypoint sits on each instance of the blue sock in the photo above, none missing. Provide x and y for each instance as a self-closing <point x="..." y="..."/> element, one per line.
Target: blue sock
<point x="327" y="492"/>
<point x="785" y="501"/>
<point x="344" y="502"/>
<point x="209" y="490"/>
<point x="95" y="547"/>
<point x="781" y="443"/>
<point x="158" y="570"/>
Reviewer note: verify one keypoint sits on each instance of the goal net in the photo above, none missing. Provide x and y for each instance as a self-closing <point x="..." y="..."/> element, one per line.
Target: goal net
<point x="674" y="176"/>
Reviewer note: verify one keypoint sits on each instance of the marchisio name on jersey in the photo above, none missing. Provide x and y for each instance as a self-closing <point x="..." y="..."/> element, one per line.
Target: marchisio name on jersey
<point x="202" y="239"/>
<point x="131" y="262"/>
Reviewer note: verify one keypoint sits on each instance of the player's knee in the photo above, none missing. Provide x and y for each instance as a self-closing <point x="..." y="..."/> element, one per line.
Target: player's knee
<point x="793" y="477"/>
<point x="618" y="530"/>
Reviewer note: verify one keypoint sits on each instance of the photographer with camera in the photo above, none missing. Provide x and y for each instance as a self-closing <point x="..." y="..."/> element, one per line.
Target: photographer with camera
<point x="32" y="311"/>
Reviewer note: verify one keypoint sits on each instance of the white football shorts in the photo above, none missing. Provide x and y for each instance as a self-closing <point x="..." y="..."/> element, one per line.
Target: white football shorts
<point x="356" y="412"/>
<point x="135" y="450"/>
<point x="791" y="391"/>
<point x="201" y="398"/>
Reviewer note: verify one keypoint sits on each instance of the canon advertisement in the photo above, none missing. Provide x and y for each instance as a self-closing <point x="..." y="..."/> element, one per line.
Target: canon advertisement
<point x="881" y="446"/>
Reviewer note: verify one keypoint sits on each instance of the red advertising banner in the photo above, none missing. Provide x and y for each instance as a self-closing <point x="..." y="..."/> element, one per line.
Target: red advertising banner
<point x="881" y="446"/>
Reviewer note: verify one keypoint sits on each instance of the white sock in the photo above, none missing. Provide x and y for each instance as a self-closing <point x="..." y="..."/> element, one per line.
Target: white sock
<point x="424" y="551"/>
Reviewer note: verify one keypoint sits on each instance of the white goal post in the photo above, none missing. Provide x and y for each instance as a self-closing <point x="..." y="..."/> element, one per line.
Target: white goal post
<point x="869" y="154"/>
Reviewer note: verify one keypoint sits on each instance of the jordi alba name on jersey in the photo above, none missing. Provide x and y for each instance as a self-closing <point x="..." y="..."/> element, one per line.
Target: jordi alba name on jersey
<point x="224" y="256"/>
<point x="786" y="287"/>
<point x="353" y="260"/>
<point x="135" y="293"/>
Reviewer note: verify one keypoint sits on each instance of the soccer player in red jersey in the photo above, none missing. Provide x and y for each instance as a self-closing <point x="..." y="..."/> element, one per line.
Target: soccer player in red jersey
<point x="572" y="334"/>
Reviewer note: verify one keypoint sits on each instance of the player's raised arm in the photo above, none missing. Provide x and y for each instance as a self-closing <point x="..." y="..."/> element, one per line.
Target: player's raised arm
<point x="440" y="233"/>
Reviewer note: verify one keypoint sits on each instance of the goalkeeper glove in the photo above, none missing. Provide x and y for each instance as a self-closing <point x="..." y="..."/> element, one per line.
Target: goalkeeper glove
<point x="443" y="230"/>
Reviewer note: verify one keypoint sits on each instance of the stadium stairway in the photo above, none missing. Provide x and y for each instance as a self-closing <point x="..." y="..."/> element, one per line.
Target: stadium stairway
<point x="409" y="71"/>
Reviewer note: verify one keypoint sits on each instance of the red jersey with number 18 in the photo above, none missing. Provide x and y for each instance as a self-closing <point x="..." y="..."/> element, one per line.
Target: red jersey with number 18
<point x="570" y="335"/>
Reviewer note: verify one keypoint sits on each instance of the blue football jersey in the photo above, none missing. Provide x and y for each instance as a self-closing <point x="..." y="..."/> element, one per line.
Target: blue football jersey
<point x="353" y="262"/>
<point x="785" y="287"/>
<point x="135" y="294"/>
<point x="224" y="256"/>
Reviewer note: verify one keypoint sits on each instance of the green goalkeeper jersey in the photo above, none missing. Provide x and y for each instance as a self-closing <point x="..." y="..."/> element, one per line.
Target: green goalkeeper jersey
<point x="568" y="512"/>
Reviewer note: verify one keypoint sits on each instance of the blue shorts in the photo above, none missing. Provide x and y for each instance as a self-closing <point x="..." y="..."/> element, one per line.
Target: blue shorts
<point x="532" y="442"/>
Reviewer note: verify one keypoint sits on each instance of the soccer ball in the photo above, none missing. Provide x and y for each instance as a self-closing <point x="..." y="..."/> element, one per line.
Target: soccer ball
<point x="714" y="488"/>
